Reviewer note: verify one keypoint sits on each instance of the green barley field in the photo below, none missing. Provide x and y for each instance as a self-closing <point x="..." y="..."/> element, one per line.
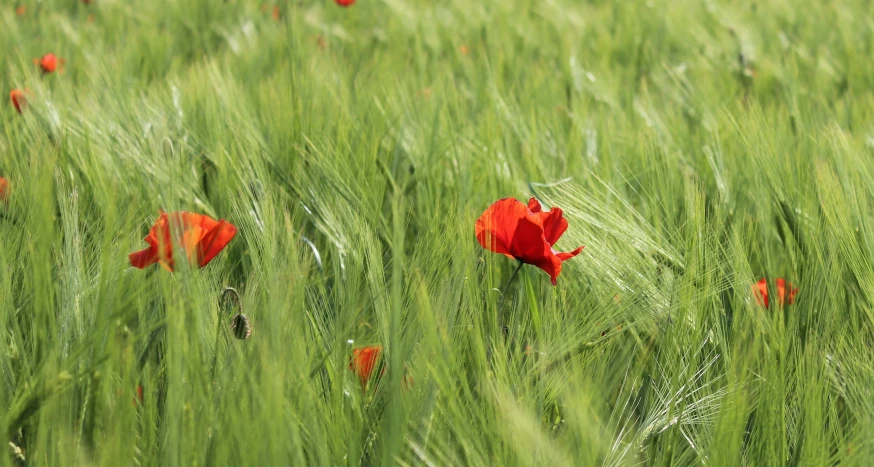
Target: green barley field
<point x="696" y="147"/>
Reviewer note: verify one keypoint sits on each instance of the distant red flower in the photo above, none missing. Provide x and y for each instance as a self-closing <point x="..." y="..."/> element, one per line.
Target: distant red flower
<point x="364" y="362"/>
<point x="464" y="49"/>
<point x="139" y="397"/>
<point x="87" y="2"/>
<point x="48" y="63"/>
<point x="525" y="233"/>
<point x="761" y="292"/>
<point x="345" y="3"/>
<point x="275" y="11"/>
<point x="200" y="237"/>
<point x="20" y="11"/>
<point x="18" y="98"/>
<point x="4" y="189"/>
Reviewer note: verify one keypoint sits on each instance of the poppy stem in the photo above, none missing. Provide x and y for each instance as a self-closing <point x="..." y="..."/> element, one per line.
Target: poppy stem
<point x="504" y="295"/>
<point x="227" y="292"/>
<point x="230" y="291"/>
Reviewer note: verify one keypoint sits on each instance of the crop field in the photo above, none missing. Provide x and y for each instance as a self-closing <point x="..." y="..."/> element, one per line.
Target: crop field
<point x="348" y="233"/>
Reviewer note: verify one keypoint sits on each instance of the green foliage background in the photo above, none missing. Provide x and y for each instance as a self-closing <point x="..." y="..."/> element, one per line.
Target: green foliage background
<point x="694" y="145"/>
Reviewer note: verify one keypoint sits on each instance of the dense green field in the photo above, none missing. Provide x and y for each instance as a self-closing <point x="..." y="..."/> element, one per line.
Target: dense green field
<point x="695" y="147"/>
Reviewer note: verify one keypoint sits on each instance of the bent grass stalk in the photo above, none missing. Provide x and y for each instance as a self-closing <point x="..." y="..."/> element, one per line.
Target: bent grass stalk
<point x="236" y="304"/>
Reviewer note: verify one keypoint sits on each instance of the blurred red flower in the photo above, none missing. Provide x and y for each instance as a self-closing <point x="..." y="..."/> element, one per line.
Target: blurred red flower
<point x="365" y="360"/>
<point x="48" y="63"/>
<point x="275" y="11"/>
<point x="19" y="101"/>
<point x="20" y="11"/>
<point x="761" y="292"/>
<point x="345" y="3"/>
<point x="201" y="238"/>
<point x="525" y="233"/>
<point x="138" y="399"/>
<point x="4" y="189"/>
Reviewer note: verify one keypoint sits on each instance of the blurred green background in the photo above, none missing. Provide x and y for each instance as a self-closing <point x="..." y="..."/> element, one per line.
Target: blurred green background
<point x="695" y="146"/>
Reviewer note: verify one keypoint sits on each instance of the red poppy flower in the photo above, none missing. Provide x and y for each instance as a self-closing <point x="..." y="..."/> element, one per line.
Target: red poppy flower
<point x="345" y="3"/>
<point x="139" y="397"/>
<point x="525" y="233"/>
<point x="49" y="62"/>
<point x="19" y="101"/>
<point x="761" y="292"/>
<point x="365" y="360"/>
<point x="20" y="11"/>
<point x="201" y="238"/>
<point x="4" y="189"/>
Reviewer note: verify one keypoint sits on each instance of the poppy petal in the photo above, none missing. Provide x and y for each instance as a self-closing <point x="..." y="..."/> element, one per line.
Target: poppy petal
<point x="550" y="264"/>
<point x="534" y="206"/>
<point x="160" y="239"/>
<point x="215" y="241"/>
<point x="530" y="247"/>
<point x="497" y="225"/>
<point x="19" y="101"/>
<point x="205" y="222"/>
<point x="364" y="361"/>
<point x="567" y="256"/>
<point x="144" y="258"/>
<point x="528" y="244"/>
<point x="554" y="225"/>
<point x="188" y="230"/>
<point x="781" y="290"/>
<point x="761" y="292"/>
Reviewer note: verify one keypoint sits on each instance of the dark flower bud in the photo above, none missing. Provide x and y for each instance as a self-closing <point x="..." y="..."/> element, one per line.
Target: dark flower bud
<point x="241" y="326"/>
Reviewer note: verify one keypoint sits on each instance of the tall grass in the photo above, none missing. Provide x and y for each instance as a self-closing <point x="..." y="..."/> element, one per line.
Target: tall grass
<point x="695" y="147"/>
